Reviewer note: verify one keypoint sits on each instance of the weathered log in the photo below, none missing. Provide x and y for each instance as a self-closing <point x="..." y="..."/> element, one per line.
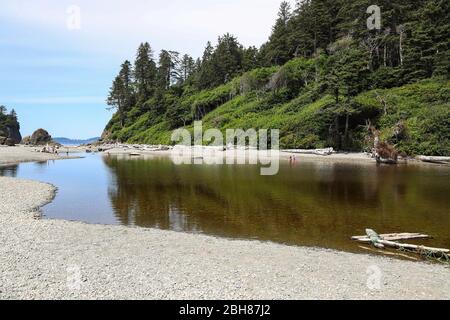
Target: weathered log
<point x="437" y="160"/>
<point x="412" y="246"/>
<point x="318" y="152"/>
<point x="379" y="242"/>
<point x="394" y="237"/>
<point x="386" y="161"/>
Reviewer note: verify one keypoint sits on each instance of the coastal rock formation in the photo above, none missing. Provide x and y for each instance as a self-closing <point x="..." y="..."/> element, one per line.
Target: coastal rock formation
<point x="14" y="134"/>
<point x="10" y="136"/>
<point x="10" y="142"/>
<point x="39" y="137"/>
<point x="26" y="140"/>
<point x="9" y="128"/>
<point x="106" y="135"/>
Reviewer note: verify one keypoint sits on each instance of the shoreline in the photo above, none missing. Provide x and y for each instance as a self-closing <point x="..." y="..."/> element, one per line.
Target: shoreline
<point x="30" y="154"/>
<point x="20" y="154"/>
<point x="161" y="150"/>
<point x="40" y="258"/>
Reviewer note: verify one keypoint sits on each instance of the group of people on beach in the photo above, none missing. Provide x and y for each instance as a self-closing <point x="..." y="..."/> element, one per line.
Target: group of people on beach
<point x="50" y="149"/>
<point x="292" y="159"/>
<point x="53" y="150"/>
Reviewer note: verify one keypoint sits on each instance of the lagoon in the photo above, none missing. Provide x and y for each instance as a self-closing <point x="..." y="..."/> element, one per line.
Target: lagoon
<point x="309" y="203"/>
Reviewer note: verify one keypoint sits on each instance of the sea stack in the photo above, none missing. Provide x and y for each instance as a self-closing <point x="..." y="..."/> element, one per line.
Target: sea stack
<point x="9" y="128"/>
<point x="39" y="137"/>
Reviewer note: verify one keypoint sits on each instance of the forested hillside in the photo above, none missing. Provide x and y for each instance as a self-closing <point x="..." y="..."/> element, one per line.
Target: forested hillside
<point x="323" y="78"/>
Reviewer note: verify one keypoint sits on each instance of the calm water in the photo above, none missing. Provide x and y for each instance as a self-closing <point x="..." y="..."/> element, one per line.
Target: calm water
<point x="310" y="203"/>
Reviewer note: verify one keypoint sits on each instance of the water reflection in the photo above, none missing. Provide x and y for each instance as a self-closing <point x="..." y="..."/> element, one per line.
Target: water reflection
<point x="310" y="203"/>
<point x="9" y="171"/>
<point x="320" y="204"/>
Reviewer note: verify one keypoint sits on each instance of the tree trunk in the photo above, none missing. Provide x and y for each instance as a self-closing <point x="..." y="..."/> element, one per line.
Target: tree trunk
<point x="338" y="136"/>
<point x="121" y="115"/>
<point x="347" y="118"/>
<point x="401" y="48"/>
<point x="315" y="42"/>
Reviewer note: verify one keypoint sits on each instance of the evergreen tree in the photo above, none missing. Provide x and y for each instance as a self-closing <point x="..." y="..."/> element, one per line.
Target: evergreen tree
<point x="221" y="64"/>
<point x="121" y="94"/>
<point x="346" y="75"/>
<point x="277" y="50"/>
<point x="250" y="59"/>
<point x="427" y="46"/>
<point x="12" y="120"/>
<point x="205" y="69"/>
<point x="13" y="115"/>
<point x="167" y="71"/>
<point x="144" y="72"/>
<point x="227" y="60"/>
<point x="126" y="75"/>
<point x="187" y="67"/>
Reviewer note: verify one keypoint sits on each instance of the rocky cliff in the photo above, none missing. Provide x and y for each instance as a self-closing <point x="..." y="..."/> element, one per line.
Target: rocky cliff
<point x="9" y="128"/>
<point x="39" y="138"/>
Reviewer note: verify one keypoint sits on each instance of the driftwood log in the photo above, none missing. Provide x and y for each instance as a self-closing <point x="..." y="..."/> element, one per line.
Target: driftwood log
<point x="438" y="160"/>
<point x="386" y="161"/>
<point x="414" y="247"/>
<point x="396" y="254"/>
<point x="318" y="152"/>
<point x="393" y="237"/>
<point x="389" y="240"/>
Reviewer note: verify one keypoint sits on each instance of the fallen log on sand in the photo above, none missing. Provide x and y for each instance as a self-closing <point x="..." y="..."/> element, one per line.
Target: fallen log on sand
<point x="437" y="160"/>
<point x="318" y="152"/>
<point x="388" y="240"/>
<point x="386" y="161"/>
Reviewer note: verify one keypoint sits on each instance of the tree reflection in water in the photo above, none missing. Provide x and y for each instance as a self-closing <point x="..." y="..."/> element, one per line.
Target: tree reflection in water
<point x="315" y="203"/>
<point x="9" y="171"/>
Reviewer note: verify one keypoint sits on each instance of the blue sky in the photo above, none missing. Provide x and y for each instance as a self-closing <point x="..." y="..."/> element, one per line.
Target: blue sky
<point x="56" y="72"/>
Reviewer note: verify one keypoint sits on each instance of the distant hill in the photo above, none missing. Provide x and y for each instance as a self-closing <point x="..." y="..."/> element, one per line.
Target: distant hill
<point x="71" y="142"/>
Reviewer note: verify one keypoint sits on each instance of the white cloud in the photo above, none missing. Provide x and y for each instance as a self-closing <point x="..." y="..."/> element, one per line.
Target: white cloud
<point x="173" y="24"/>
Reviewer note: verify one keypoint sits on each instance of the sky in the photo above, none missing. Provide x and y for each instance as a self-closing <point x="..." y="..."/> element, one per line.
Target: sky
<point x="58" y="57"/>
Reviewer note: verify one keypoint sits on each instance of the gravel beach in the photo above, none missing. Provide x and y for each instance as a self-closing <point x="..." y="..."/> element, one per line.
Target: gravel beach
<point x="49" y="259"/>
<point x="14" y="155"/>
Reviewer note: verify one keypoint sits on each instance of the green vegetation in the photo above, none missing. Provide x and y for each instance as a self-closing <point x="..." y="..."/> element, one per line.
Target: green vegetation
<point x="323" y="79"/>
<point x="9" y="127"/>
